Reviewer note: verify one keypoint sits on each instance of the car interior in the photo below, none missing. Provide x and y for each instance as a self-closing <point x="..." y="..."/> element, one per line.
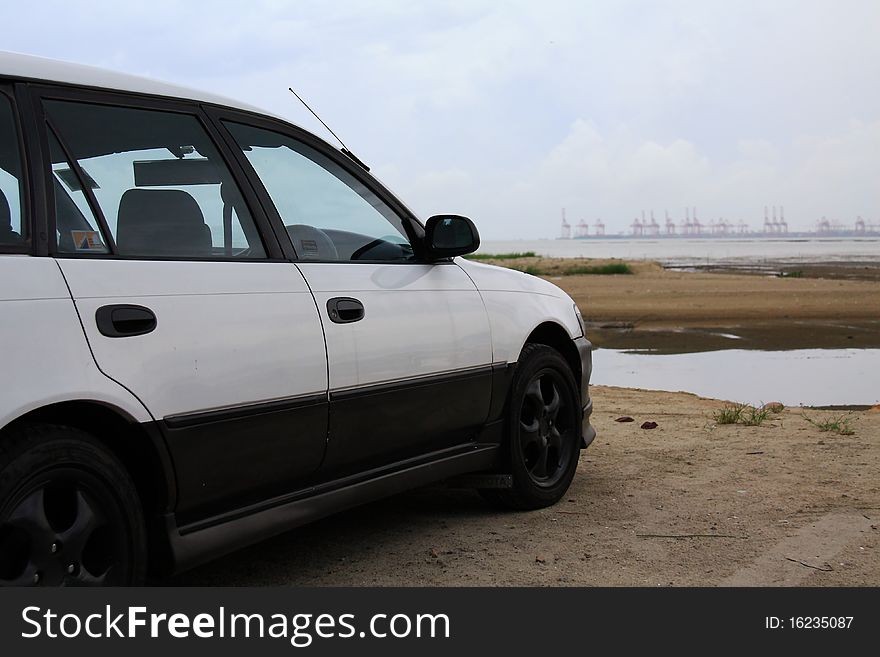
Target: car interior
<point x="156" y="179"/>
<point x="180" y="205"/>
<point x="319" y="201"/>
<point x="7" y="235"/>
<point x="313" y="243"/>
<point x="9" y="165"/>
<point x="163" y="222"/>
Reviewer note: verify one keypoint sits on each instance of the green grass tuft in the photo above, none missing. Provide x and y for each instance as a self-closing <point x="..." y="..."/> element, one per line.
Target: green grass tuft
<point x="754" y="417"/>
<point x="730" y="414"/>
<point x="537" y="270"/>
<point x="839" y="424"/>
<point x="744" y="414"/>
<point x="599" y="270"/>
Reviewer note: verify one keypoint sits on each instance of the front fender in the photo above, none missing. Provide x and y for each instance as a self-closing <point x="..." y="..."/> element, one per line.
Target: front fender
<point x="517" y="304"/>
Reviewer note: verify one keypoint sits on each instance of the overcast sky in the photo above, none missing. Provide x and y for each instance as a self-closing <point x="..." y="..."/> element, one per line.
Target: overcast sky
<point x="509" y="111"/>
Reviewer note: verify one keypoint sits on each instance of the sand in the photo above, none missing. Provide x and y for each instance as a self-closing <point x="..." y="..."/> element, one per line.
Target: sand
<point x="683" y="311"/>
<point x="687" y="503"/>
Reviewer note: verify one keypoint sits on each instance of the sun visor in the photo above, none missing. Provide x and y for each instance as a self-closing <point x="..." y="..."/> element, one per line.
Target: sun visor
<point x="162" y="173"/>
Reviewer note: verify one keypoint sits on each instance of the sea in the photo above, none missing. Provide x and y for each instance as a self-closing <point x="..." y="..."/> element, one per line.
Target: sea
<point x="699" y="251"/>
<point x="809" y="377"/>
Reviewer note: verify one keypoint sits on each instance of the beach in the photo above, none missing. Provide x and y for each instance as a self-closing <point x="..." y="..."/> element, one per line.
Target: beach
<point x="670" y="309"/>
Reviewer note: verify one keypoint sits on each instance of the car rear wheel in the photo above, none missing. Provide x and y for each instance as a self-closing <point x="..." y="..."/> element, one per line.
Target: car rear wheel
<point x="542" y="439"/>
<point x="69" y="512"/>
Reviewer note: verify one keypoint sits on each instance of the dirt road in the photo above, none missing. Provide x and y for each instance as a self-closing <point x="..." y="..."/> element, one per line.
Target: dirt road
<point x="687" y="503"/>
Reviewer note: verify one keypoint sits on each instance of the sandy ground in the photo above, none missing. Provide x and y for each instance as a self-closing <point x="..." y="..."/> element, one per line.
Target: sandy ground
<point x="682" y="298"/>
<point x="687" y="503"/>
<point x="683" y="311"/>
<point x="665" y="297"/>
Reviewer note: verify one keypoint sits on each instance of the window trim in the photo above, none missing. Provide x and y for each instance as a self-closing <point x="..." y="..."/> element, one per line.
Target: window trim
<point x="413" y="227"/>
<point x="91" y="199"/>
<point x="40" y="92"/>
<point x="24" y="184"/>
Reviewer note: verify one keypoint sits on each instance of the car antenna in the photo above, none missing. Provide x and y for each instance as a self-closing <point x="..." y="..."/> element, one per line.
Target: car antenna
<point x="344" y="147"/>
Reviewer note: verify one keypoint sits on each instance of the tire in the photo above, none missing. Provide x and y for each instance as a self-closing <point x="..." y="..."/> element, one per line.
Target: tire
<point x="542" y="436"/>
<point x="69" y="512"/>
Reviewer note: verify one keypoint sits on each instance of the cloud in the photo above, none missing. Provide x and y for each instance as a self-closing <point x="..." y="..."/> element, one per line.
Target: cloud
<point x="613" y="177"/>
<point x="512" y="110"/>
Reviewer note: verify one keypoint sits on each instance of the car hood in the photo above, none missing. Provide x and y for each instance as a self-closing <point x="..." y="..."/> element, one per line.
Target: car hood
<point x="501" y="279"/>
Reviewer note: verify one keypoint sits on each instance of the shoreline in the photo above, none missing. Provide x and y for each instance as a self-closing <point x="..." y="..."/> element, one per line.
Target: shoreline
<point x="701" y="251"/>
<point x="853" y="269"/>
<point x="832" y="305"/>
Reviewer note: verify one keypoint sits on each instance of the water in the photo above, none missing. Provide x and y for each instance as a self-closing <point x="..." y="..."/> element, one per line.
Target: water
<point x="812" y="377"/>
<point x="684" y="252"/>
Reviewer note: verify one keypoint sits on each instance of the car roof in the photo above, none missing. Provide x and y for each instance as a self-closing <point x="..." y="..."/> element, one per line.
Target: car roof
<point x="31" y="67"/>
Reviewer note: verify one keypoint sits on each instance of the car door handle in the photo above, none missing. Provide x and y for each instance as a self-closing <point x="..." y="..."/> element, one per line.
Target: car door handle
<point x="123" y="320"/>
<point x="344" y="310"/>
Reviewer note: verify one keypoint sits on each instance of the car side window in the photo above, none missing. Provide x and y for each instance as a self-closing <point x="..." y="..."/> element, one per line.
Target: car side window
<point x="76" y="227"/>
<point x="328" y="213"/>
<point x="143" y="183"/>
<point x="13" y="228"/>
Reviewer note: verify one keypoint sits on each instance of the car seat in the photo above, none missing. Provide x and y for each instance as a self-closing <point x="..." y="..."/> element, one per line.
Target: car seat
<point x="7" y="235"/>
<point x="161" y="222"/>
<point x="312" y="243"/>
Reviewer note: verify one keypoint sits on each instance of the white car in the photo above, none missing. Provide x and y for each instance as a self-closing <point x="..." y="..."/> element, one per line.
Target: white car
<point x="216" y="327"/>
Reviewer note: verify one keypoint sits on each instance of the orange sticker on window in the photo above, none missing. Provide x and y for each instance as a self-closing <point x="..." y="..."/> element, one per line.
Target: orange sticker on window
<point x="87" y="240"/>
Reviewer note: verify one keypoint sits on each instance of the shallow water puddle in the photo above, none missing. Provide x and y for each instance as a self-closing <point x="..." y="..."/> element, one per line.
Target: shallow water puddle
<point x="812" y="377"/>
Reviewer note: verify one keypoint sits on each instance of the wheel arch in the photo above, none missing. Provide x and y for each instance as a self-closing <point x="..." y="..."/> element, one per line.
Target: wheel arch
<point x="557" y="337"/>
<point x="140" y="447"/>
<point x="547" y="333"/>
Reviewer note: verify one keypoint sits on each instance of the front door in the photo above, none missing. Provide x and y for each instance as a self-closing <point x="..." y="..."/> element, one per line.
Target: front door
<point x="185" y="301"/>
<point x="408" y="342"/>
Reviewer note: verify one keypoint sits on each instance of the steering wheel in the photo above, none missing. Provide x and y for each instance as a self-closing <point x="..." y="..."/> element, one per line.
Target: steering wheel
<point x="369" y="246"/>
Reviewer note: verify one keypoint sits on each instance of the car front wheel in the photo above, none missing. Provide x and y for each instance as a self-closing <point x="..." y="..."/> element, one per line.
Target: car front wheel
<point x="542" y="440"/>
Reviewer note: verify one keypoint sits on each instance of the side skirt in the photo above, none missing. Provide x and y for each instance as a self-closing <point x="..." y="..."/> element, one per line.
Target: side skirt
<point x="193" y="545"/>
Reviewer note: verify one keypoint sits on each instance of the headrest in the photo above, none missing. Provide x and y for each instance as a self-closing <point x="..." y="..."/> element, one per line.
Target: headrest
<point x="311" y="243"/>
<point x="7" y="235"/>
<point x="161" y="222"/>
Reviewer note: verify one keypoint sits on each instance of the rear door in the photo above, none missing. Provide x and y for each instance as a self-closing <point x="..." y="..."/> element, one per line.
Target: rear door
<point x="184" y="296"/>
<point x="408" y="341"/>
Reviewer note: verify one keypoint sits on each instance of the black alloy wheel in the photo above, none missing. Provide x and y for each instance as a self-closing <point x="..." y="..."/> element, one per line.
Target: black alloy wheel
<point x="546" y="428"/>
<point x="69" y="514"/>
<point x="542" y="431"/>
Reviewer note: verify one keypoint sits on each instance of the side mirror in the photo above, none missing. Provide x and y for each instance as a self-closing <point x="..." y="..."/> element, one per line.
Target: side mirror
<point x="448" y="235"/>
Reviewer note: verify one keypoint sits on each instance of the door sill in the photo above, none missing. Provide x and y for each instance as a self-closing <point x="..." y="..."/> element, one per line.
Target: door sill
<point x="194" y="544"/>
